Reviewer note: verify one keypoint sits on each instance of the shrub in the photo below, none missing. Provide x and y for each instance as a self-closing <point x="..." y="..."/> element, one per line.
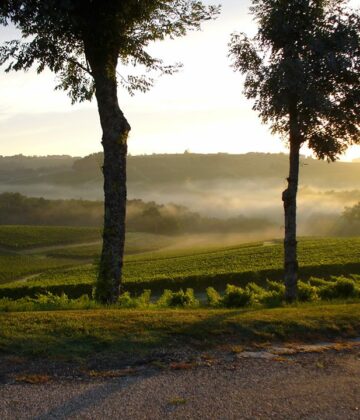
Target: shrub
<point x="356" y="278"/>
<point x="317" y="282"/>
<point x="306" y="292"/>
<point x="126" y="301"/>
<point x="178" y="299"/>
<point x="256" y="291"/>
<point x="144" y="298"/>
<point x="73" y="291"/>
<point x="237" y="297"/>
<point x="10" y="305"/>
<point x="272" y="298"/>
<point x="275" y="286"/>
<point x="50" y="299"/>
<point x="45" y="302"/>
<point x="213" y="297"/>
<point x="341" y="288"/>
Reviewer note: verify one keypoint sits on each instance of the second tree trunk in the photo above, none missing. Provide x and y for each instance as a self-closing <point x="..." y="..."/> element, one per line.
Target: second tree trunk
<point x="289" y="199"/>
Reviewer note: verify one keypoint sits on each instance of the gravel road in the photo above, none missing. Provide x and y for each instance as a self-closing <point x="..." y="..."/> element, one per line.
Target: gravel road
<point x="322" y="385"/>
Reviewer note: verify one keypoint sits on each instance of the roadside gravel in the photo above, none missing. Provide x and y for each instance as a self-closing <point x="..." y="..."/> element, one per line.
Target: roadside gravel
<point x="323" y="385"/>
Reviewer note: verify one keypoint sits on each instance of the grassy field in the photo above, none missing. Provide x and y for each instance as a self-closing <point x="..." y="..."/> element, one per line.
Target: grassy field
<point x="71" y="335"/>
<point x="213" y="267"/>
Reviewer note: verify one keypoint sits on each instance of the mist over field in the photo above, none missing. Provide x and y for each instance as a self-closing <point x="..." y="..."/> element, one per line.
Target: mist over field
<point x="219" y="186"/>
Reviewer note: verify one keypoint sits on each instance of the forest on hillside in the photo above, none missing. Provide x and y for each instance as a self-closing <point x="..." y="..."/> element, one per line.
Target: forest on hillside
<point x="169" y="219"/>
<point x="16" y="209"/>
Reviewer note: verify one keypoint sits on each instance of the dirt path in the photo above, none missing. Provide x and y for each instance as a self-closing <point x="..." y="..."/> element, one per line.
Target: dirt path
<point x="44" y="249"/>
<point x="320" y="385"/>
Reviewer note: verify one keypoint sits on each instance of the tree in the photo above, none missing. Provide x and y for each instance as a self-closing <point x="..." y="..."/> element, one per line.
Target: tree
<point x="82" y="42"/>
<point x="302" y="71"/>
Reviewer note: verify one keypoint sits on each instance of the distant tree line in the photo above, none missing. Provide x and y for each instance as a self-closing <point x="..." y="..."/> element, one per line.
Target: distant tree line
<point x="171" y="219"/>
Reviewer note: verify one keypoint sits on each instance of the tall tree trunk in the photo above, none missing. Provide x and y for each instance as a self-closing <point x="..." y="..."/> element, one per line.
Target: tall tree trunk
<point x="115" y="130"/>
<point x="289" y="198"/>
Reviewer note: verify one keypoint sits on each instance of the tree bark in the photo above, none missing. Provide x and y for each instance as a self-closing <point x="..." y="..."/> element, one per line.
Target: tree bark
<point x="115" y="130"/>
<point x="289" y="197"/>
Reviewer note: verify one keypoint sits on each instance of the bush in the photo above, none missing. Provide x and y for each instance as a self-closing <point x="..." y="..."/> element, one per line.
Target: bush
<point x="45" y="302"/>
<point x="275" y="286"/>
<point x="178" y="299"/>
<point x="126" y="301"/>
<point x="307" y="292"/>
<point x="256" y="291"/>
<point x="341" y="288"/>
<point x="356" y="278"/>
<point x="317" y="282"/>
<point x="213" y="297"/>
<point x="237" y="297"/>
<point x="73" y="291"/>
<point x="272" y="298"/>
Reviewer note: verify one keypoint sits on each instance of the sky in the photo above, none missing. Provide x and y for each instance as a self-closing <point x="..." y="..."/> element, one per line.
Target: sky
<point x="200" y="109"/>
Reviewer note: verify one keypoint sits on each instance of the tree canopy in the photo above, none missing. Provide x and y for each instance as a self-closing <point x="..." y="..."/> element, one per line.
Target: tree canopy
<point x="308" y="52"/>
<point x="57" y="33"/>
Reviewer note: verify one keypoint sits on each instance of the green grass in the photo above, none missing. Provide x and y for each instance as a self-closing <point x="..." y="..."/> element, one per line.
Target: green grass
<point x="69" y="335"/>
<point x="27" y="237"/>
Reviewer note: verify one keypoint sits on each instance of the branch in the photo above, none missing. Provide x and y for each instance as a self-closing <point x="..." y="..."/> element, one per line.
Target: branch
<point x="76" y="63"/>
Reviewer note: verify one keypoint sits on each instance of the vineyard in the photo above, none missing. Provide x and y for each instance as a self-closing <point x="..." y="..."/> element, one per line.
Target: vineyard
<point x="72" y="270"/>
<point x="25" y="237"/>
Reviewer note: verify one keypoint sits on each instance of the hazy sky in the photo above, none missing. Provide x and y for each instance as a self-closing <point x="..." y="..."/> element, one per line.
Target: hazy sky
<point x="202" y="108"/>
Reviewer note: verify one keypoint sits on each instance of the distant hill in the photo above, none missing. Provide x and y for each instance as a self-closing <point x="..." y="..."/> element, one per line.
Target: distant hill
<point x="175" y="168"/>
<point x="36" y="162"/>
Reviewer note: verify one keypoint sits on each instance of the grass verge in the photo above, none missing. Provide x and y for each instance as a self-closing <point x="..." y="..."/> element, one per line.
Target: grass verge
<point x="75" y="335"/>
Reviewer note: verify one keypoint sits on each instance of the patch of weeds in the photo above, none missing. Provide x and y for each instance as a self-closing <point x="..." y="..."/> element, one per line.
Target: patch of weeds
<point x="33" y="378"/>
<point x="177" y="401"/>
<point x="320" y="365"/>
<point x="16" y="360"/>
<point x="159" y="364"/>
<point x="111" y="373"/>
<point x="182" y="365"/>
<point x="208" y="357"/>
<point x="237" y="349"/>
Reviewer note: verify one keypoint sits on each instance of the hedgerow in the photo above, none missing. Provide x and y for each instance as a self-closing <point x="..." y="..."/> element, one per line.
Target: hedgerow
<point x="271" y="295"/>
